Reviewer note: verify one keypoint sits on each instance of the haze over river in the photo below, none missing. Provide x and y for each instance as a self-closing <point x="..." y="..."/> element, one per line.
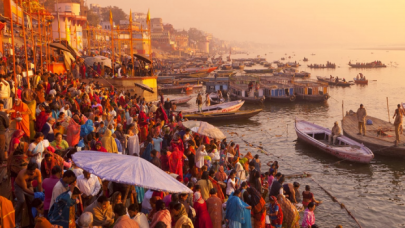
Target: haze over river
<point x="373" y="193"/>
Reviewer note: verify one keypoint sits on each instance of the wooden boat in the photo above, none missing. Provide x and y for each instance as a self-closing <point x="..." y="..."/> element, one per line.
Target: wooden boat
<point x="276" y="92"/>
<point x="232" y="106"/>
<point x="210" y="117"/>
<point x="215" y="99"/>
<point x="333" y="81"/>
<point x="344" y="148"/>
<point x="242" y="92"/>
<point x="359" y="81"/>
<point x="302" y="74"/>
<point x="226" y="67"/>
<point x="376" y="64"/>
<point x="238" y="66"/>
<point x="259" y="71"/>
<point x="311" y="91"/>
<point x="380" y="145"/>
<point x="194" y="75"/>
<point x="181" y="100"/>
<point x="178" y="88"/>
<point x="322" y="66"/>
<point x="211" y="69"/>
<point x="305" y="59"/>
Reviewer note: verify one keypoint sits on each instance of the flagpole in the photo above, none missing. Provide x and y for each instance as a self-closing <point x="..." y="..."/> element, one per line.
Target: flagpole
<point x="12" y="42"/>
<point x="130" y="36"/>
<point x="25" y="40"/>
<point x="112" y="44"/>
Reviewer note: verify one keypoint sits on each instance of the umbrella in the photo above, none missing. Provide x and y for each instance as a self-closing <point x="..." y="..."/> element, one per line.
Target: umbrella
<point x="128" y="170"/>
<point x="204" y="128"/>
<point x="144" y="87"/>
<point x="59" y="46"/>
<point x="143" y="58"/>
<point x="96" y="59"/>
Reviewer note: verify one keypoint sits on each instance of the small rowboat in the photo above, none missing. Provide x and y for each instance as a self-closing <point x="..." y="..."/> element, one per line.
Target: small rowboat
<point x="181" y="100"/>
<point x="215" y="99"/>
<point x="232" y="106"/>
<point x="345" y="147"/>
<point x="359" y="81"/>
<point x="223" y="116"/>
<point x="333" y="81"/>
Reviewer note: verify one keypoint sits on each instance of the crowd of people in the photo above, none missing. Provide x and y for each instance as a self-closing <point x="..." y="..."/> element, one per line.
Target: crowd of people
<point x="45" y="120"/>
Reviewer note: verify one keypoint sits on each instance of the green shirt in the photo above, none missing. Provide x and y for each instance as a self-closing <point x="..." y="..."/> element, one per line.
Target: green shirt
<point x="62" y="146"/>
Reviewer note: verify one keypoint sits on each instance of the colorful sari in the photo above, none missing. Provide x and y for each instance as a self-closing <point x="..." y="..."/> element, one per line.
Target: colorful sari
<point x="272" y="209"/>
<point x="291" y="216"/>
<point x="218" y="187"/>
<point x="24" y="124"/>
<point x="39" y="149"/>
<point x="237" y="213"/>
<point x="15" y="140"/>
<point x="258" y="208"/>
<point x="161" y="216"/>
<point x="7" y="213"/>
<point x="176" y="163"/>
<point x="73" y="133"/>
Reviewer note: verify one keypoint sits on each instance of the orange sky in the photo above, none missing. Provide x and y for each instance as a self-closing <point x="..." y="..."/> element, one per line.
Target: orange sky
<point x="294" y="22"/>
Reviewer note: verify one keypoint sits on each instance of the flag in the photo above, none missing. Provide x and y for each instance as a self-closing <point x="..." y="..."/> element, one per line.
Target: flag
<point x="111" y="20"/>
<point x="148" y="17"/>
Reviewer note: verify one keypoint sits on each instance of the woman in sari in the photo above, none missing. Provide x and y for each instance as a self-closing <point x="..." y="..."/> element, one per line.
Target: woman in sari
<point x="203" y="219"/>
<point x="86" y="128"/>
<point x="237" y="212"/>
<point x="221" y="175"/>
<point x="275" y="212"/>
<point x="291" y="216"/>
<point x="59" y="143"/>
<point x="177" y="143"/>
<point x="15" y="141"/>
<point x="42" y="118"/>
<point x="161" y="114"/>
<point x="216" y="185"/>
<point x="258" y="208"/>
<point x="116" y="198"/>
<point x="63" y="211"/>
<point x="143" y="126"/>
<point x="73" y="131"/>
<point x="161" y="215"/>
<point x="22" y="110"/>
<point x="176" y="163"/>
<point x="40" y="94"/>
<point x="108" y="142"/>
<point x="17" y="161"/>
<point x="36" y="149"/>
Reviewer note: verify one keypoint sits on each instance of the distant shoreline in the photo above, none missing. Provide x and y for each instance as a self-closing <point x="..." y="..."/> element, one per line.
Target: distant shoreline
<point x="381" y="48"/>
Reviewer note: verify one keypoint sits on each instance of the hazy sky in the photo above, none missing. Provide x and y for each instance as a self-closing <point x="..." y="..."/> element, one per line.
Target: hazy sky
<point x="294" y="22"/>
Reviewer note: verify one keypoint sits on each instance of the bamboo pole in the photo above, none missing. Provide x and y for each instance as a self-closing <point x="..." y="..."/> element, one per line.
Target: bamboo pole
<point x="25" y="41"/>
<point x="12" y="44"/>
<point x="388" y="108"/>
<point x="130" y="36"/>
<point x="112" y="51"/>
<point x="40" y="41"/>
<point x="32" y="40"/>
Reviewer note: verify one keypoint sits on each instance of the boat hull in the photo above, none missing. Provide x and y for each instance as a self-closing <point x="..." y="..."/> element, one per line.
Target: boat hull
<point x="224" y="107"/>
<point x="380" y="145"/>
<point x="281" y="99"/>
<point x="360" y="82"/>
<point x="250" y="100"/>
<point x="312" y="98"/>
<point x="334" y="150"/>
<point x="223" y="116"/>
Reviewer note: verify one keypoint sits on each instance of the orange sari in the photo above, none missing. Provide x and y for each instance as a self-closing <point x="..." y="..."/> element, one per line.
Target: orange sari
<point x="24" y="124"/>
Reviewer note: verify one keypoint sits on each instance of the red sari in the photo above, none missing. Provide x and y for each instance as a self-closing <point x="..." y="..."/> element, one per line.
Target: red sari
<point x="15" y="140"/>
<point x="73" y="133"/>
<point x="176" y="163"/>
<point x="203" y="219"/>
<point x="41" y="120"/>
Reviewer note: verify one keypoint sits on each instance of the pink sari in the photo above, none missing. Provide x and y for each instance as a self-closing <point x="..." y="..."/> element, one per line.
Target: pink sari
<point x="176" y="163"/>
<point x="73" y="133"/>
<point x="161" y="216"/>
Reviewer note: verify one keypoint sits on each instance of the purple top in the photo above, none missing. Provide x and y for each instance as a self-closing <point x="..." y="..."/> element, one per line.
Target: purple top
<point x="48" y="185"/>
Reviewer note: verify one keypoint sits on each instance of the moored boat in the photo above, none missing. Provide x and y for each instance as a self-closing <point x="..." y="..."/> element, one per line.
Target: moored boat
<point x="259" y="71"/>
<point x="276" y="92"/>
<point x="360" y="81"/>
<point x="178" y="88"/>
<point x="214" y="99"/>
<point x="344" y="148"/>
<point x="375" y="64"/>
<point x="246" y="93"/>
<point x="380" y="136"/>
<point x="223" y="116"/>
<point x="332" y="81"/>
<point x="224" y="107"/>
<point x="311" y="91"/>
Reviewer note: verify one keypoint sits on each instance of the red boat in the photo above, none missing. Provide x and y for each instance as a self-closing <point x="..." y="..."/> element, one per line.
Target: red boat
<point x="211" y="69"/>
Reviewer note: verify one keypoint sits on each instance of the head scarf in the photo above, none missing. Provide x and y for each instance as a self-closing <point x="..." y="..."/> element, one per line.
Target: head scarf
<point x="17" y="135"/>
<point x="197" y="196"/>
<point x="102" y="149"/>
<point x="108" y="142"/>
<point x="199" y="151"/>
<point x="220" y="175"/>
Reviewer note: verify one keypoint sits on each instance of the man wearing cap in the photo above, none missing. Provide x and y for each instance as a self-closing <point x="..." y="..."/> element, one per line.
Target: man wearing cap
<point x="361" y="117"/>
<point x="335" y="133"/>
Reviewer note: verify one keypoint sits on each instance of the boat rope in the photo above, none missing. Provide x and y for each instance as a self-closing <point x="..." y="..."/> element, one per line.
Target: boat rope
<point x="335" y="200"/>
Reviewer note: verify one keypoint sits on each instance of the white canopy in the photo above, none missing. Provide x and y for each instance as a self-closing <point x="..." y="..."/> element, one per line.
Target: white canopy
<point x="204" y="128"/>
<point x="128" y="170"/>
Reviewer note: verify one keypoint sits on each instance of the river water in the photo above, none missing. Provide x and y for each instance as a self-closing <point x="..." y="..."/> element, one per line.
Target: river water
<point x="372" y="192"/>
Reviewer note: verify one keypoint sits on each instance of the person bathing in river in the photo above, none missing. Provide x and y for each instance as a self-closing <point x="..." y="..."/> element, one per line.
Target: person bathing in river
<point x="335" y="133"/>
<point x="289" y="191"/>
<point x="308" y="197"/>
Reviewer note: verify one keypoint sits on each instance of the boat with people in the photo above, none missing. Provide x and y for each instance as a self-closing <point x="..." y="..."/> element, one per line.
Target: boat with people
<point x="305" y="59"/>
<point x="375" y="64"/>
<point x="343" y="148"/>
<point x="226" y="67"/>
<point x="231" y="106"/>
<point x="379" y="137"/>
<point x="259" y="71"/>
<point x="238" y="65"/>
<point x="211" y="117"/>
<point x="360" y="79"/>
<point x="335" y="81"/>
<point x="311" y="91"/>
<point x="251" y="93"/>
<point x="322" y="66"/>
<point x="215" y="99"/>
<point x="302" y="74"/>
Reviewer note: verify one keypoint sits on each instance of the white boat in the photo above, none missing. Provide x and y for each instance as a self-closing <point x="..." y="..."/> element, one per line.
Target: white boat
<point x="214" y="98"/>
<point x="344" y="148"/>
<point x="232" y="106"/>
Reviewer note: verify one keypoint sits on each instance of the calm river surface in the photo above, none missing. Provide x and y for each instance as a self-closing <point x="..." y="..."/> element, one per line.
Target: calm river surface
<point x="373" y="193"/>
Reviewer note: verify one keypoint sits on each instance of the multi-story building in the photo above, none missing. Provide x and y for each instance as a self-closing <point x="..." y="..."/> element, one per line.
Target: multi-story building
<point x="156" y="25"/>
<point x="72" y="31"/>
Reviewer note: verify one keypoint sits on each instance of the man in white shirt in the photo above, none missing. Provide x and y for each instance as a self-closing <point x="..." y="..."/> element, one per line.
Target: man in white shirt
<point x="68" y="178"/>
<point x="66" y="110"/>
<point x="5" y="93"/>
<point x="137" y="216"/>
<point x="89" y="186"/>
